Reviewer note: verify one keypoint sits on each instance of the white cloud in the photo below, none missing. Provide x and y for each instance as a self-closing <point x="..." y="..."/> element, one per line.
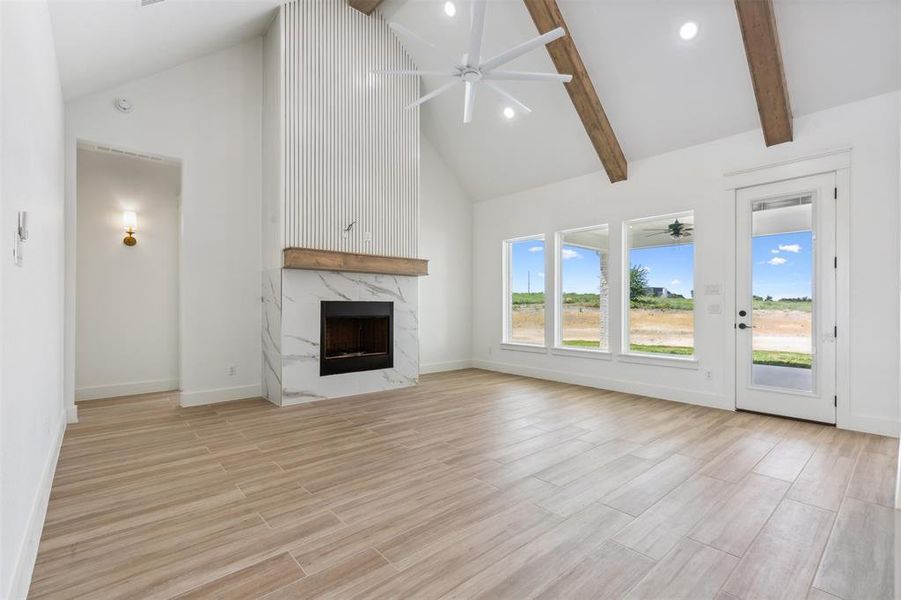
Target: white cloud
<point x="795" y="248"/>
<point x="569" y="253"/>
<point x="536" y="248"/>
<point x="774" y="251"/>
<point x="777" y="260"/>
<point x="675" y="282"/>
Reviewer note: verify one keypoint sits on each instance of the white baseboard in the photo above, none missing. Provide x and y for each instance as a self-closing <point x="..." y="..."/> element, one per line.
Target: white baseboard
<point x="898" y="479"/>
<point x="875" y="425"/>
<point x="72" y="413"/>
<point x="125" y="389"/>
<point x="453" y="365"/>
<point x="202" y="397"/>
<point x="616" y="385"/>
<point x="28" y="550"/>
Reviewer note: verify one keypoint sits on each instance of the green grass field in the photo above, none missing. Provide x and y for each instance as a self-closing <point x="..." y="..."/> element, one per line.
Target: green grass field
<point x="761" y="357"/>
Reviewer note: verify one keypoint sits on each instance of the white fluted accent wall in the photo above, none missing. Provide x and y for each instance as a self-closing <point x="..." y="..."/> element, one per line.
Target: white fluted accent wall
<point x="351" y="149"/>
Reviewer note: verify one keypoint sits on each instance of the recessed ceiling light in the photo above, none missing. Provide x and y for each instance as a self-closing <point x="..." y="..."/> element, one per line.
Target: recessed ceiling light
<point x="450" y="9"/>
<point x="688" y="31"/>
<point x="509" y="113"/>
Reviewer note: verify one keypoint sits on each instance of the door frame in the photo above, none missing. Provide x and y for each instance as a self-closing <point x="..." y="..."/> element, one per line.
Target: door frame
<point x="839" y="162"/>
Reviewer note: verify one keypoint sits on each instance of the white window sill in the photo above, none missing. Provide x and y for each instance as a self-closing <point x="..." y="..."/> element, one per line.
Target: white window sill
<point x="581" y="353"/>
<point x="519" y="347"/>
<point x="662" y="361"/>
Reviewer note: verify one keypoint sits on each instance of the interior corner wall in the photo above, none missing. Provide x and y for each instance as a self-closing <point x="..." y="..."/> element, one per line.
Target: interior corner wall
<point x="273" y="173"/>
<point x="207" y="113"/>
<point x="32" y="417"/>
<point x="126" y="296"/>
<point x="693" y="179"/>
<point x="445" y="295"/>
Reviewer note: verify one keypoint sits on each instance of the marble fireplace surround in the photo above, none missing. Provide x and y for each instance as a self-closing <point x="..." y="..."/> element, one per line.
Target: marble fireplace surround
<point x="291" y="329"/>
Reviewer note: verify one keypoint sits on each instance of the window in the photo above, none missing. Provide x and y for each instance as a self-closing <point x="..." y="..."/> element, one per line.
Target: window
<point x="525" y="291"/>
<point x="582" y="260"/>
<point x="660" y="309"/>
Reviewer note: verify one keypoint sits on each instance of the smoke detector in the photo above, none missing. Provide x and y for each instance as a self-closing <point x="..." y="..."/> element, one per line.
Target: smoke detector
<point x="123" y="105"/>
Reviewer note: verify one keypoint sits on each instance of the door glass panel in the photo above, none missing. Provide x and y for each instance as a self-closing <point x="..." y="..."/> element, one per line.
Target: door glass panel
<point x="783" y="287"/>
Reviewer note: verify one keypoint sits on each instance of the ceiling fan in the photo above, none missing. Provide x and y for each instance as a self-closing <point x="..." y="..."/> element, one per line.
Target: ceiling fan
<point x="675" y="230"/>
<point x="473" y="71"/>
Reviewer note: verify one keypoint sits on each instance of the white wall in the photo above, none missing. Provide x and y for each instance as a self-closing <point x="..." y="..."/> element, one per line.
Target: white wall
<point x="445" y="296"/>
<point x="272" y="125"/>
<point x="692" y="178"/>
<point x="206" y="113"/>
<point x="32" y="417"/>
<point x="126" y="322"/>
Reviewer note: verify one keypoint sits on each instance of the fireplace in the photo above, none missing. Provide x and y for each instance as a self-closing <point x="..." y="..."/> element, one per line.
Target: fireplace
<point x="356" y="336"/>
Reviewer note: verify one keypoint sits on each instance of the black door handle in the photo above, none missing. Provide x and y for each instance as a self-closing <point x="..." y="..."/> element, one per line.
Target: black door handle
<point x="743" y="326"/>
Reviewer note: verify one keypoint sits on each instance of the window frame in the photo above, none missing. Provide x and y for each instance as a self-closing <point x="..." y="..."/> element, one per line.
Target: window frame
<point x="507" y="311"/>
<point x="558" y="347"/>
<point x="626" y="354"/>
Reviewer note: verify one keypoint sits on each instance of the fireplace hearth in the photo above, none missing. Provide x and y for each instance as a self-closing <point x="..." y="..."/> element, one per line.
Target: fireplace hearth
<point x="356" y="336"/>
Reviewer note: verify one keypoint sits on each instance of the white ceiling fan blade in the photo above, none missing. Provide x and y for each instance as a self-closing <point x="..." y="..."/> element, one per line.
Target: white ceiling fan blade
<point x="517" y="51"/>
<point x="434" y="93"/>
<point x="508" y="96"/>
<point x="469" y="100"/>
<point x="415" y="37"/>
<point x="526" y="76"/>
<point x="409" y="72"/>
<point x="476" y="32"/>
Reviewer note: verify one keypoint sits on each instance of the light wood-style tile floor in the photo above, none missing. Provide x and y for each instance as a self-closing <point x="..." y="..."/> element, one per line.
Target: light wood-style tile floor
<point x="473" y="484"/>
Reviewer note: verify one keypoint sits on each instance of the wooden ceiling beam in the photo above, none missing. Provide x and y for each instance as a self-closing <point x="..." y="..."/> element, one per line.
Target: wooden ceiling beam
<point x="364" y="6"/>
<point x="546" y="15"/>
<point x="758" y="31"/>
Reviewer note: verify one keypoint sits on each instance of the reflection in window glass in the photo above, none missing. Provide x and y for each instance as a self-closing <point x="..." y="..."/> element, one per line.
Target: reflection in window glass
<point x="783" y="290"/>
<point x="583" y="263"/>
<point x="661" y="278"/>
<point x="526" y="289"/>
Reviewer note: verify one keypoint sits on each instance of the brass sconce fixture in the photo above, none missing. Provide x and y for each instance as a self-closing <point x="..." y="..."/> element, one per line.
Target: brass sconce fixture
<point x="130" y="220"/>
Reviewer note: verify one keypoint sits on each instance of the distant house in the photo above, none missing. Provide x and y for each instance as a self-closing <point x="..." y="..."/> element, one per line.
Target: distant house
<point x="659" y="292"/>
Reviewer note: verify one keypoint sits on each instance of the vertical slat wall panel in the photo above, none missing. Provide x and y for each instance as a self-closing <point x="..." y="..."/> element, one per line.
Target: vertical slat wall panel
<point x="351" y="149"/>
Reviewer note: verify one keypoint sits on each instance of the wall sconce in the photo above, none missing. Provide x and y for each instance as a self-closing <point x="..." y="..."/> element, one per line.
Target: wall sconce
<point x="130" y="220"/>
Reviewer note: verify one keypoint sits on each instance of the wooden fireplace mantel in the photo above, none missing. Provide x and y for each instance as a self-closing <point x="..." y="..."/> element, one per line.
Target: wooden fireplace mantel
<point x="329" y="260"/>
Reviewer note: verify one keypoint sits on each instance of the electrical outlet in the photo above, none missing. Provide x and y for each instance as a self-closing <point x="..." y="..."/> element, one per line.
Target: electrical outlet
<point x="231" y="370"/>
<point x="709" y="374"/>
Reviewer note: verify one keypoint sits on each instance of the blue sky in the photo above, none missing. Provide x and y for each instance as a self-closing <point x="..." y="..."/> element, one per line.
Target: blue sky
<point x="782" y="265"/>
<point x="528" y="260"/>
<point x="670" y="267"/>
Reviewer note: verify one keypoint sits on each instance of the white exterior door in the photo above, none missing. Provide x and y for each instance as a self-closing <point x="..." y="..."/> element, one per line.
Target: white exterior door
<point x="785" y="298"/>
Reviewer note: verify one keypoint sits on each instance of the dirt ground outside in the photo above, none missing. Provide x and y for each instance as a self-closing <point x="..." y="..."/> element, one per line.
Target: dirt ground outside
<point x="774" y="330"/>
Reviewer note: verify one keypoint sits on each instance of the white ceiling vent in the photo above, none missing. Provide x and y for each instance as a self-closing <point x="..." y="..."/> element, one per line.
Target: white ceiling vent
<point x="149" y="2"/>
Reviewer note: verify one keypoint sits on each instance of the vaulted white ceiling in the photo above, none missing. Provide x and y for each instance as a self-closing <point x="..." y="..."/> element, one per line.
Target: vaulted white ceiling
<point x="102" y="43"/>
<point x="660" y="92"/>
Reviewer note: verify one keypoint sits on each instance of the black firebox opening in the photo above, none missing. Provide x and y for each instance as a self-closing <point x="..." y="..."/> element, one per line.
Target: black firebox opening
<point x="356" y="336"/>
